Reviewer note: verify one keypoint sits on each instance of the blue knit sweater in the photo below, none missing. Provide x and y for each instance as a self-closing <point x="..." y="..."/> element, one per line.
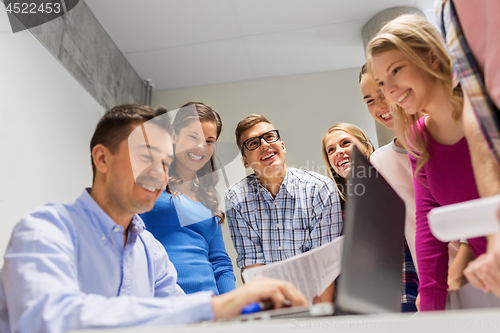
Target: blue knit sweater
<point x="194" y="243"/>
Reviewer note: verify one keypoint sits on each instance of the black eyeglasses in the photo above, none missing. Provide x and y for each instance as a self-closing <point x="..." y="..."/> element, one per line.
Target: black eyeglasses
<point x="255" y="142"/>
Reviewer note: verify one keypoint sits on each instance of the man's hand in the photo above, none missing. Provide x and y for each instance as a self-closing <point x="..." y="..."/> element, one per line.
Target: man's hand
<point x="484" y="272"/>
<point x="276" y="292"/>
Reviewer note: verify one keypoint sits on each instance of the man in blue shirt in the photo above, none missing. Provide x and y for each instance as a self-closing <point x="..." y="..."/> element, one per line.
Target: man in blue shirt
<point x="278" y="212"/>
<point x="91" y="264"/>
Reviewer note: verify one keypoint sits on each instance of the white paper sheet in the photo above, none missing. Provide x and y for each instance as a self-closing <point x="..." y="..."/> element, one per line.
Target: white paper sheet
<point x="467" y="219"/>
<point x="311" y="272"/>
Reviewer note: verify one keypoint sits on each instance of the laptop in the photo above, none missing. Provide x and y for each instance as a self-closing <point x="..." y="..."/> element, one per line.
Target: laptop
<point x="371" y="276"/>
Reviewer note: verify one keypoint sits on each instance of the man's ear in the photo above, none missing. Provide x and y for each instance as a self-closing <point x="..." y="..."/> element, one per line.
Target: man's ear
<point x="174" y="138"/>
<point x="283" y="146"/>
<point x="434" y="60"/>
<point x="100" y="157"/>
<point x="244" y="161"/>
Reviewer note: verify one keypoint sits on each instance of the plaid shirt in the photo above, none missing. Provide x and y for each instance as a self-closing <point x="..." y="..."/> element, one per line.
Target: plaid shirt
<point x="469" y="75"/>
<point x="410" y="283"/>
<point x="304" y="215"/>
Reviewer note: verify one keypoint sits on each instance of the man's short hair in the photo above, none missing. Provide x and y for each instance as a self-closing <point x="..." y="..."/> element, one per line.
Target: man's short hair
<point x="117" y="123"/>
<point x="246" y="123"/>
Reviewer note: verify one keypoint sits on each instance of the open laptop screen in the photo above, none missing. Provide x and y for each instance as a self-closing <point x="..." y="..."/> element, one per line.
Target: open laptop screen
<point x="371" y="276"/>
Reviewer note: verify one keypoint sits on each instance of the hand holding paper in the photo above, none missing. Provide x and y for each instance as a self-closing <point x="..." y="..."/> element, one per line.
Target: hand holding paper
<point x="311" y="272"/>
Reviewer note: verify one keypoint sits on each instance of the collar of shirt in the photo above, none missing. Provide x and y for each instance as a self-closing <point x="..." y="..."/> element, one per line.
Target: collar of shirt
<point x="103" y="224"/>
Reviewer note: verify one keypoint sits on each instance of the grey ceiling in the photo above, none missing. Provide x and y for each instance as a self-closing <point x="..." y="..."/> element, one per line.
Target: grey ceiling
<point x="186" y="43"/>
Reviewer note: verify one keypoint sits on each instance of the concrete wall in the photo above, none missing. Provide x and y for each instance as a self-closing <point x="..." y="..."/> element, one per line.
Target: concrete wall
<point x="56" y="83"/>
<point x="85" y="49"/>
<point x="46" y="121"/>
<point x="302" y="108"/>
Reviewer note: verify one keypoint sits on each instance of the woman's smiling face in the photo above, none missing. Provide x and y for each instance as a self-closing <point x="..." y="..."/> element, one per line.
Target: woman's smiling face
<point x="195" y="144"/>
<point x="338" y="147"/>
<point x="376" y="102"/>
<point x="404" y="82"/>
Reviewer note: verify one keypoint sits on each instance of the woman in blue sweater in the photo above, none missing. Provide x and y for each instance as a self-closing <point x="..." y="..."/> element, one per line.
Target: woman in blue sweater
<point x="186" y="217"/>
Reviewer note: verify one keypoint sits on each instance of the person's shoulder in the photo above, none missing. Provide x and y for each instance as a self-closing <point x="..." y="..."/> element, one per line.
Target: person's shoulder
<point x="381" y="151"/>
<point x="242" y="185"/>
<point x="55" y="213"/>
<point x="164" y="197"/>
<point x="151" y="243"/>
<point x="162" y="204"/>
<point x="310" y="178"/>
<point x="306" y="175"/>
<point x="419" y="126"/>
<point x="381" y="155"/>
<point x="51" y="219"/>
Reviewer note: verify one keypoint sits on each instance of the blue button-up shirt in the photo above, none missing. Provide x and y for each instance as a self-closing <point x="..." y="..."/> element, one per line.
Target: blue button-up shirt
<point x="66" y="267"/>
<point x="304" y="215"/>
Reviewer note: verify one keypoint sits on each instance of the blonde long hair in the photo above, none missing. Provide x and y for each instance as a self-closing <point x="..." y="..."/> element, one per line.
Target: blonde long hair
<point x="415" y="36"/>
<point x="356" y="132"/>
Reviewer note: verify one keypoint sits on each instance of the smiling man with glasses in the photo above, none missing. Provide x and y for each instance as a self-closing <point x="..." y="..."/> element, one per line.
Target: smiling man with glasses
<point x="278" y="212"/>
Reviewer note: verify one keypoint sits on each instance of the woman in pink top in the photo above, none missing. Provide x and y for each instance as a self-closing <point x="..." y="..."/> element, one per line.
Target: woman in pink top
<point x="409" y="62"/>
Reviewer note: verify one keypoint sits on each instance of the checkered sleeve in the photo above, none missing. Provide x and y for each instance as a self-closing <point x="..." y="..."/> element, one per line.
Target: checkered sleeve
<point x="469" y="74"/>
<point x="246" y="241"/>
<point x="328" y="215"/>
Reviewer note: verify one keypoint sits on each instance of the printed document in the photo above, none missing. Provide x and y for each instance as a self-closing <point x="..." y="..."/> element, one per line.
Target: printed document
<point x="311" y="272"/>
